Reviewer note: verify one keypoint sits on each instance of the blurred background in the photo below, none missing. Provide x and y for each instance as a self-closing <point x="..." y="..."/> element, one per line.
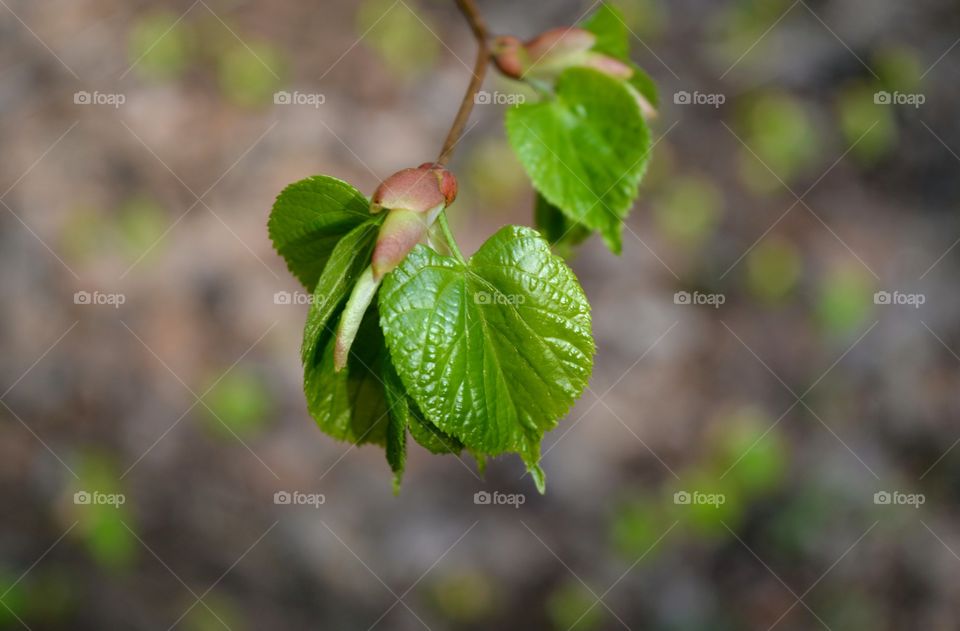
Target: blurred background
<point x="769" y="437"/>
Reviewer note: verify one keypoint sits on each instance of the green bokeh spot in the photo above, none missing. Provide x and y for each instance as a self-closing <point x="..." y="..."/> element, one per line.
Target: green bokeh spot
<point x="241" y="401"/>
<point x="845" y="299"/>
<point x="249" y="76"/>
<point x="773" y="269"/>
<point x="159" y="45"/>
<point x="689" y="210"/>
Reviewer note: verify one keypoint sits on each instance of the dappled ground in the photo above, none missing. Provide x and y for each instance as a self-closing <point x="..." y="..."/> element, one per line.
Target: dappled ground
<point x="142" y="149"/>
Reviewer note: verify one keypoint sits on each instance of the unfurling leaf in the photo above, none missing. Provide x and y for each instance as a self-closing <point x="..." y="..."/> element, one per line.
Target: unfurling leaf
<point x="414" y="197"/>
<point x="585" y="149"/>
<point x="546" y="56"/>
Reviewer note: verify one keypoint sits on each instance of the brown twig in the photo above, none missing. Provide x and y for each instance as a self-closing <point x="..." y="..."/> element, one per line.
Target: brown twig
<point x="479" y="28"/>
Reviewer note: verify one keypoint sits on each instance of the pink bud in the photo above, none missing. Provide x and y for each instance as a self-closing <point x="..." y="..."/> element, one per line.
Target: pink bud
<point x="418" y="190"/>
<point x="547" y="55"/>
<point x="544" y="56"/>
<point x="445" y="179"/>
<point x="402" y="230"/>
<point x="509" y="56"/>
<point x="560" y="42"/>
<point x="414" y="197"/>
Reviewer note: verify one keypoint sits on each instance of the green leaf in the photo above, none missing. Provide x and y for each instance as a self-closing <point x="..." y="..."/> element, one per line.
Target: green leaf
<point x="350" y="404"/>
<point x="345" y="265"/>
<point x="429" y="435"/>
<point x="642" y="83"/>
<point x="585" y="149"/>
<point x="613" y="38"/>
<point x="404" y="417"/>
<point x="493" y="351"/>
<point x="309" y="218"/>
<point x="562" y="233"/>
<point x="399" y="405"/>
<point x="608" y="25"/>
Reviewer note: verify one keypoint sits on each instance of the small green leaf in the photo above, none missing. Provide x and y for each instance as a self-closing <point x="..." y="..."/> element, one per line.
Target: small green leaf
<point x="399" y="405"/>
<point x="404" y="417"/>
<point x="612" y="34"/>
<point x="344" y="267"/>
<point x="585" y="149"/>
<point x="350" y="404"/>
<point x="309" y="218"/>
<point x="493" y="351"/>
<point x="429" y="435"/>
<point x="613" y="38"/>
<point x="642" y="83"/>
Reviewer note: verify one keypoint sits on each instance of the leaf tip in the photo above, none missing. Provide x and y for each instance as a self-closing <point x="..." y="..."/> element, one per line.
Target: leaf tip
<point x="539" y="478"/>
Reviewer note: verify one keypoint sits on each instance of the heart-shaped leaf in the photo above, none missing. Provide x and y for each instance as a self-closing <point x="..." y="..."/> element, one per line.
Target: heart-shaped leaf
<point x="585" y="149"/>
<point x="493" y="351"/>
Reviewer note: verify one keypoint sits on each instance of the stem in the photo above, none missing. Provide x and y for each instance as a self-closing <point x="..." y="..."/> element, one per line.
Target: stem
<point x="448" y="235"/>
<point x="479" y="28"/>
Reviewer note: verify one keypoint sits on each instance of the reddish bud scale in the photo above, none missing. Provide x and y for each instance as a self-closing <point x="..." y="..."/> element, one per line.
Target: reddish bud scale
<point x="509" y="56"/>
<point x="560" y="42"/>
<point x="414" y="197"/>
<point x="547" y="55"/>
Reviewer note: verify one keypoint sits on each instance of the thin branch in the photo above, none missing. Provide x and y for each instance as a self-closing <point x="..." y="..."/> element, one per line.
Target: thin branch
<point x="479" y="28"/>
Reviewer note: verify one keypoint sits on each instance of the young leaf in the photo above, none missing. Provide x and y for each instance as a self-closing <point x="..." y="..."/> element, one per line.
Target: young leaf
<point x="429" y="435"/>
<point x="344" y="267"/>
<point x="309" y="218"/>
<point x="608" y="25"/>
<point x="493" y="351"/>
<point x="347" y="404"/>
<point x="613" y="38"/>
<point x="350" y="404"/>
<point x="585" y="149"/>
<point x="399" y="405"/>
<point x="404" y="417"/>
<point x="642" y="83"/>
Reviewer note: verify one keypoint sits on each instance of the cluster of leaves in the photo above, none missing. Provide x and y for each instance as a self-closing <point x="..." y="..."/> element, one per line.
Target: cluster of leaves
<point x="484" y="354"/>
